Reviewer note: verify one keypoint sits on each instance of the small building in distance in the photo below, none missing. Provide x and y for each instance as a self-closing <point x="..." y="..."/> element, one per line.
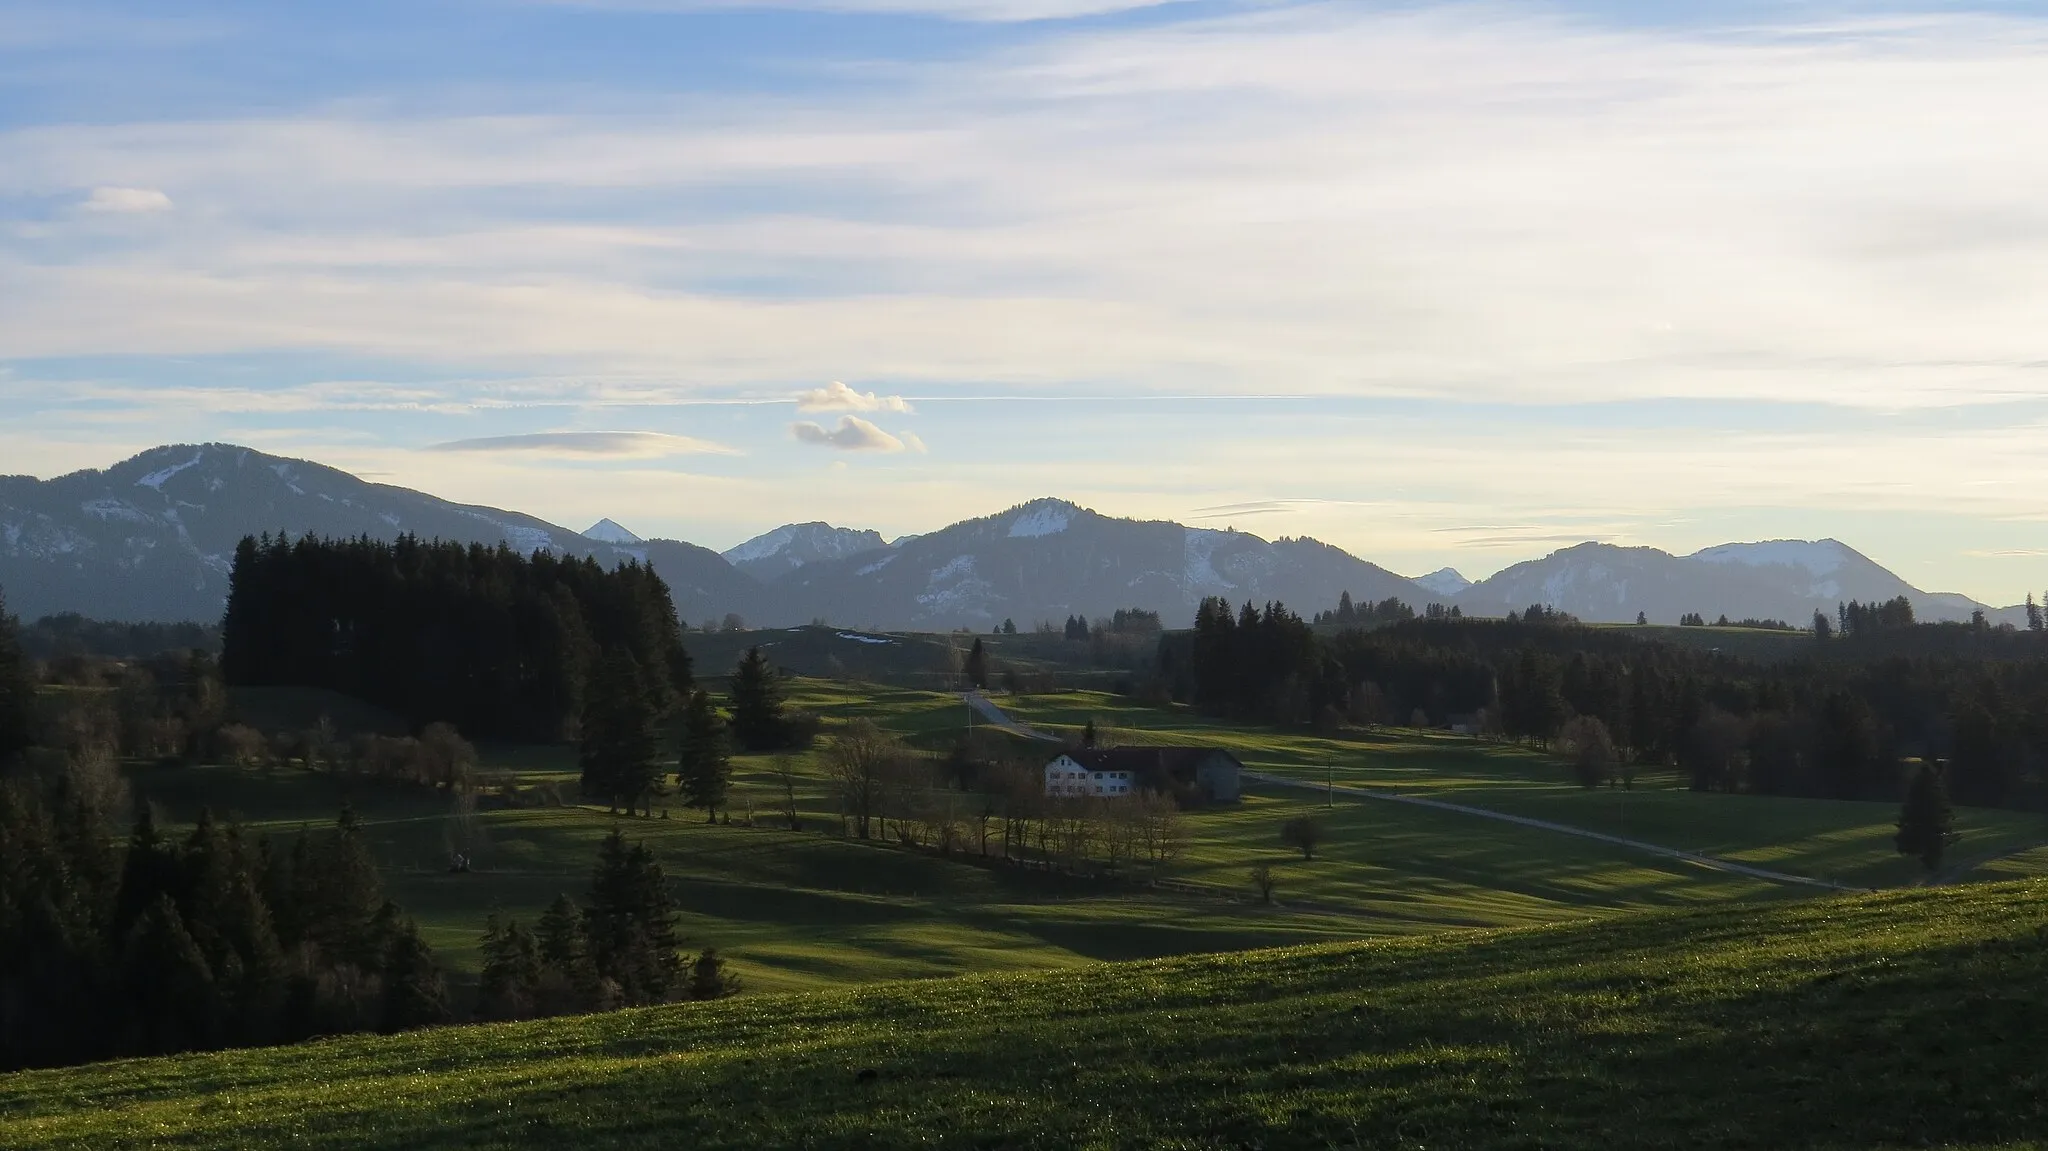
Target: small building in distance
<point x="1201" y="774"/>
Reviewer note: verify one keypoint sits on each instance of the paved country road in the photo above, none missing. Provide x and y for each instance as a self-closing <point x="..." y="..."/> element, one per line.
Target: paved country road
<point x="987" y="709"/>
<point x="1562" y="829"/>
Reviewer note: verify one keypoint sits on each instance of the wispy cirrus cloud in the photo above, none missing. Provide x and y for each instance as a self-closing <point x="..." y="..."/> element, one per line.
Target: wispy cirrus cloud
<point x="853" y="434"/>
<point x="837" y="397"/>
<point x="126" y="201"/>
<point x="974" y="11"/>
<point x="629" y="445"/>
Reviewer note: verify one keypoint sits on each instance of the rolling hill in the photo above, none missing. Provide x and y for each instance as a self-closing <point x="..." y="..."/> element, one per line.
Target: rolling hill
<point x="1909" y="1019"/>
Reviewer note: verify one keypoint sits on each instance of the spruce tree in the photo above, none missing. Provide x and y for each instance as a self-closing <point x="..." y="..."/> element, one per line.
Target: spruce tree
<point x="415" y="995"/>
<point x="629" y="924"/>
<point x="151" y="870"/>
<point x="704" y="767"/>
<point x="510" y="984"/>
<point x="170" y="990"/>
<point x="709" y="979"/>
<point x="620" y="744"/>
<point x="977" y="666"/>
<point x="227" y="916"/>
<point x="1926" y="823"/>
<point x="17" y="692"/>
<point x="568" y="981"/>
<point x="2033" y="614"/>
<point x="757" y="695"/>
<point x="339" y="896"/>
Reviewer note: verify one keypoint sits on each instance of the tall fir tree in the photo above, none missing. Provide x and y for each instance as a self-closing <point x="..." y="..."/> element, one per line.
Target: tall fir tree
<point x="620" y="744"/>
<point x="339" y="896"/>
<point x="2033" y="613"/>
<point x="629" y="924"/>
<point x="704" y="766"/>
<point x="170" y="1000"/>
<point x="226" y="914"/>
<point x="977" y="665"/>
<point x="568" y="980"/>
<point x="415" y="994"/>
<point x="17" y="692"/>
<point x="1926" y="821"/>
<point x="757" y="702"/>
<point x="509" y="986"/>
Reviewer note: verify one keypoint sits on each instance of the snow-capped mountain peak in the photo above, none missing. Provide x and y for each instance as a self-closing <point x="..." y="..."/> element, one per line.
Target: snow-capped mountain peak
<point x="1820" y="557"/>
<point x="1042" y="518"/>
<point x="1444" y="581"/>
<point x="610" y="531"/>
<point x="777" y="553"/>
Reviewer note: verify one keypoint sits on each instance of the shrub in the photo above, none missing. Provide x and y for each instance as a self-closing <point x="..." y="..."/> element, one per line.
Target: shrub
<point x="1304" y="833"/>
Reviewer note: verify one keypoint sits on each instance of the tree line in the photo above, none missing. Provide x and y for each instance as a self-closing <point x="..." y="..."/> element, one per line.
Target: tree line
<point x="1836" y="720"/>
<point x="190" y="942"/>
<point x="624" y="750"/>
<point x="619" y="948"/>
<point x="504" y="646"/>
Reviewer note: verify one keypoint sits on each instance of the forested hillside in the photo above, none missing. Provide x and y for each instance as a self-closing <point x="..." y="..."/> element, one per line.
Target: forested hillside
<point x="1838" y="723"/>
<point x="498" y="643"/>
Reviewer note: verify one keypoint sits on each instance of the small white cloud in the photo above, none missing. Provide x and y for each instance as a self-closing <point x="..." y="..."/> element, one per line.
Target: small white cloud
<point x="852" y="435"/>
<point x="624" y="444"/>
<point x="837" y="397"/>
<point x="911" y="441"/>
<point x="126" y="201"/>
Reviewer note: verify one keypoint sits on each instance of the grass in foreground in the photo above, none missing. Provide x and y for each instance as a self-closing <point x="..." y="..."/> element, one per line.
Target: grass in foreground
<point x="1904" y="1019"/>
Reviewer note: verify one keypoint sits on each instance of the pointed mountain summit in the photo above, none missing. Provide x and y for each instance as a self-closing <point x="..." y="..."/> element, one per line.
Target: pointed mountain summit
<point x="610" y="531"/>
<point x="772" y="555"/>
<point x="1444" y="581"/>
<point x="1051" y="558"/>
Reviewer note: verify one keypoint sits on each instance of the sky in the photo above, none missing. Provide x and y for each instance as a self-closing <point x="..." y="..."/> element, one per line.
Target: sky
<point x="1442" y="284"/>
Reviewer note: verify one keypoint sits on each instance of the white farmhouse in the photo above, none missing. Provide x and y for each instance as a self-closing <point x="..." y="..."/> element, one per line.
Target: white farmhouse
<point x="1191" y="774"/>
<point x="1069" y="776"/>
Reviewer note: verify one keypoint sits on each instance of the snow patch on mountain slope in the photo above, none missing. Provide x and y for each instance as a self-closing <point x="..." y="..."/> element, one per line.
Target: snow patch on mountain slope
<point x="878" y="565"/>
<point x="955" y="587"/>
<point x="858" y="638"/>
<point x="156" y="479"/>
<point x="760" y="547"/>
<point x="1198" y="566"/>
<point x="112" y="509"/>
<point x="1819" y="557"/>
<point x="1043" y="520"/>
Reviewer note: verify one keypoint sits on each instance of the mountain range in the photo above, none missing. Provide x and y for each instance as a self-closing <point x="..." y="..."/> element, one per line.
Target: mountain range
<point x="151" y="538"/>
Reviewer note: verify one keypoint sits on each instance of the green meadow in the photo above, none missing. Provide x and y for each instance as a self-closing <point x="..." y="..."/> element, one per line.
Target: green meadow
<point x="1904" y="1019"/>
<point x="1844" y="841"/>
<point x="811" y="908"/>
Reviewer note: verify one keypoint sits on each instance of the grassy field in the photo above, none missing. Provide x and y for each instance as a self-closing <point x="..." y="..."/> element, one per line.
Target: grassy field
<point x="1849" y="842"/>
<point x="1897" y="1020"/>
<point x="808" y="909"/>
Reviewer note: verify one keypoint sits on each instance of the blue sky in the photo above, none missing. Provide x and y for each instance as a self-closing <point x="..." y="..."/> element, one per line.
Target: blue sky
<point x="1439" y="283"/>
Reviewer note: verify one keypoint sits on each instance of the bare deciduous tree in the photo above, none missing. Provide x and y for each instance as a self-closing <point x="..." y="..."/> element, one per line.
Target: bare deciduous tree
<point x="859" y="763"/>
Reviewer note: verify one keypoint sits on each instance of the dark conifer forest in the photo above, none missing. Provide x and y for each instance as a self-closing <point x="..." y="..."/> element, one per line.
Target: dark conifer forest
<point x="1838" y="719"/>
<point x="503" y="646"/>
